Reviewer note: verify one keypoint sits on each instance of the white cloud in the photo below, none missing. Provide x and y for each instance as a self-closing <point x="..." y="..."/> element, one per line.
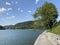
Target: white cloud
<point x="21" y="10"/>
<point x="11" y="17"/>
<point x="16" y="2"/>
<point x="18" y="9"/>
<point x="7" y="3"/>
<point x="9" y="9"/>
<point x="29" y="11"/>
<point x="37" y="1"/>
<point x="2" y="10"/>
<point x="7" y="13"/>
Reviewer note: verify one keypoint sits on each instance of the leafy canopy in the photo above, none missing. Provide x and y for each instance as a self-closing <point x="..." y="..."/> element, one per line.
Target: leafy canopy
<point x="47" y="14"/>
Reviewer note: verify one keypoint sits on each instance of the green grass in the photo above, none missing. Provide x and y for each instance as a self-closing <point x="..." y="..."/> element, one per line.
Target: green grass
<point x="55" y="29"/>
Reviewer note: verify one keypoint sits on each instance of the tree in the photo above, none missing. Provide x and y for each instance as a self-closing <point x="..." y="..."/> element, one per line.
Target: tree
<point x="47" y="14"/>
<point x="1" y="27"/>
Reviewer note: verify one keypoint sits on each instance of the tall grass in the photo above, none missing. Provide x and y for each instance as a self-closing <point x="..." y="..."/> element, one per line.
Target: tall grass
<point x="55" y="29"/>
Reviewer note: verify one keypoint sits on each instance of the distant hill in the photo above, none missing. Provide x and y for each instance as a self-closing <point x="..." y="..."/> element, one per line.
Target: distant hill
<point x="9" y="27"/>
<point x="22" y="25"/>
<point x="1" y="28"/>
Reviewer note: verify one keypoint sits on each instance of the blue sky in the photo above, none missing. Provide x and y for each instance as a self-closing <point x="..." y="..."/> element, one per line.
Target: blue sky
<point x="15" y="11"/>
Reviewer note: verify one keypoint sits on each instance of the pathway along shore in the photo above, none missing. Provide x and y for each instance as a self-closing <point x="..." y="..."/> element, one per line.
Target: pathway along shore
<point x="47" y="38"/>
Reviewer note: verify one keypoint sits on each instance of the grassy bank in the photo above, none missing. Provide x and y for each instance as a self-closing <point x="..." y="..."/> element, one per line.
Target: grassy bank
<point x="55" y="29"/>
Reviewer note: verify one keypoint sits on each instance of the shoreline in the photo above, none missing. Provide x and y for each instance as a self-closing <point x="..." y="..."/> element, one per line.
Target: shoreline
<point x="47" y="38"/>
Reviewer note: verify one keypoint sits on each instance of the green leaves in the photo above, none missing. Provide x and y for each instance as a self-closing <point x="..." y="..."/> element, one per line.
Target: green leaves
<point x="48" y="13"/>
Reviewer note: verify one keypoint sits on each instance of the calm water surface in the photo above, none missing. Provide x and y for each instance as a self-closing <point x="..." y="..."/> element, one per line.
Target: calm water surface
<point x="18" y="37"/>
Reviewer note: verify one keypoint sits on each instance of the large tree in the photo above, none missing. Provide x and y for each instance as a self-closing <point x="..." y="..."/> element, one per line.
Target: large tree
<point x="47" y="14"/>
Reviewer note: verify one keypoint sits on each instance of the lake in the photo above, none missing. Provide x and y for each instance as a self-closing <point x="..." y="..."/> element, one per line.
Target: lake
<point x="18" y="37"/>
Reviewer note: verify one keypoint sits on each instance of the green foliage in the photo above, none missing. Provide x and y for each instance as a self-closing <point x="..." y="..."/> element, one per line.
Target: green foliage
<point x="47" y="15"/>
<point x="22" y="25"/>
<point x="9" y="27"/>
<point x="37" y="25"/>
<point x="55" y="29"/>
<point x="1" y="28"/>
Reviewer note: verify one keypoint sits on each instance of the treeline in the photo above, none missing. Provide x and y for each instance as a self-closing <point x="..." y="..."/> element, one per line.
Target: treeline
<point x="23" y="25"/>
<point x="2" y="28"/>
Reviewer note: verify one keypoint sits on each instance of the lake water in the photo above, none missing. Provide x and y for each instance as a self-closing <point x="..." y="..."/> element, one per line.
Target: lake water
<point x="18" y="37"/>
